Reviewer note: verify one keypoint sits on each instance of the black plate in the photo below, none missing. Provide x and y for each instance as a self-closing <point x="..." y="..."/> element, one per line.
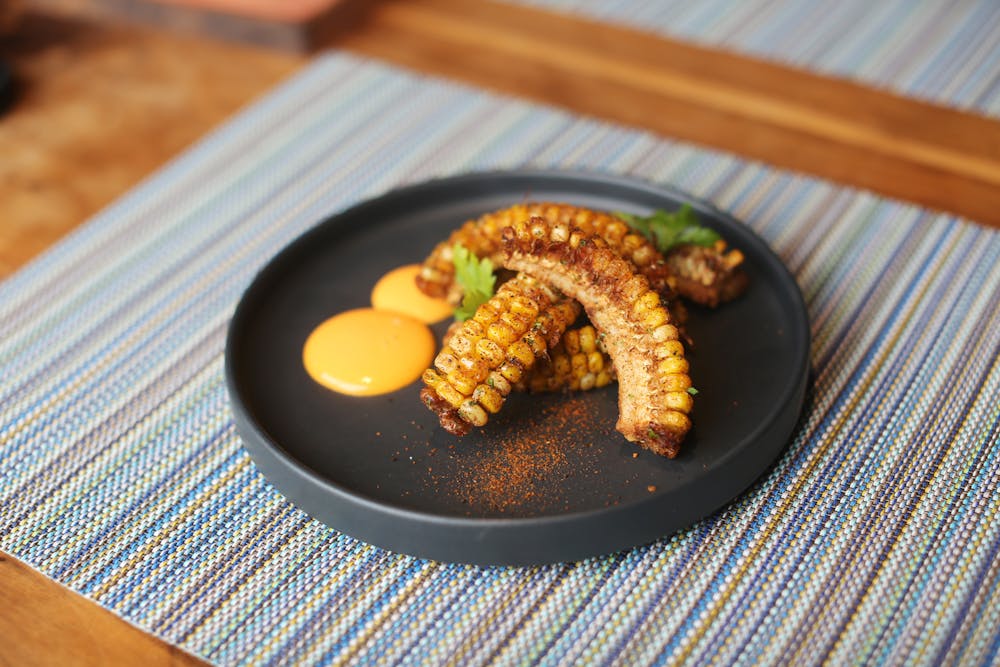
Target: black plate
<point x="549" y="479"/>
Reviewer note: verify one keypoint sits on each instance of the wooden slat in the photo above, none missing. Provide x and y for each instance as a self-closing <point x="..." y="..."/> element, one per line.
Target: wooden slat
<point x="935" y="156"/>
<point x="42" y="623"/>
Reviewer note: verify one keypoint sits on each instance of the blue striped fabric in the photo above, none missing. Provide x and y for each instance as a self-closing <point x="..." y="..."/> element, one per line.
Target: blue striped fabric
<point x="873" y="539"/>
<point x="945" y="51"/>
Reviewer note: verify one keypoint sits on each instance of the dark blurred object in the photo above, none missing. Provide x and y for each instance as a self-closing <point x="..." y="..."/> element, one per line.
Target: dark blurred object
<point x="10" y="12"/>
<point x="6" y="87"/>
<point x="293" y="25"/>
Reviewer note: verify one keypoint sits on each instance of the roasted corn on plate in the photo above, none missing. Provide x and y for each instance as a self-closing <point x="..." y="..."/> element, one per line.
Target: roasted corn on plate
<point x="579" y="362"/>
<point x="494" y="350"/>
<point x="566" y="258"/>
<point x="483" y="238"/>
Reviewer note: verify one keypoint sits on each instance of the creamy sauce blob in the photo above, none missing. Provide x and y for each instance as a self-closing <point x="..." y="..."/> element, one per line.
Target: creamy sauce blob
<point x="397" y="291"/>
<point x="364" y="352"/>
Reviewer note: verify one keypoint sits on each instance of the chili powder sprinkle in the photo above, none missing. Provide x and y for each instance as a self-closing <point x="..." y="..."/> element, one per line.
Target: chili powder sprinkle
<point x="527" y="461"/>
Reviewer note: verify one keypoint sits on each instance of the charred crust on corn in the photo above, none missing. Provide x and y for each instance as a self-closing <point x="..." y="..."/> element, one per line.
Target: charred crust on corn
<point x="707" y="275"/>
<point x="483" y="237"/>
<point x="447" y="415"/>
<point x="640" y="337"/>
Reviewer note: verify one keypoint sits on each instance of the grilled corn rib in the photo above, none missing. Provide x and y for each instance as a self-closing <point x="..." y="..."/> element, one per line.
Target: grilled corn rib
<point x="706" y="275"/>
<point x="578" y="362"/>
<point x="653" y="401"/>
<point x="482" y="237"/>
<point x="493" y="350"/>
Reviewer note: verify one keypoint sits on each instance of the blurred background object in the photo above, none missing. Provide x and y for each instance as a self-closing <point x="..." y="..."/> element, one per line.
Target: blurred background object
<point x="10" y="11"/>
<point x="294" y="25"/>
<point x="99" y="105"/>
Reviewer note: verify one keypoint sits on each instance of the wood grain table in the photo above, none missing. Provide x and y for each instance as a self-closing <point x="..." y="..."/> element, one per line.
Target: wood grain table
<point x="100" y="107"/>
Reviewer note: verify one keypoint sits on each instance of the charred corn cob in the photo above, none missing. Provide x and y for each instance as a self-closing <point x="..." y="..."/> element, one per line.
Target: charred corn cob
<point x="578" y="362"/>
<point x="494" y="350"/>
<point x="483" y="238"/>
<point x="653" y="398"/>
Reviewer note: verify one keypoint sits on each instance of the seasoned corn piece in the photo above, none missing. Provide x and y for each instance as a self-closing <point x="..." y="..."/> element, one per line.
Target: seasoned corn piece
<point x="707" y="275"/>
<point x="482" y="237"/>
<point x="484" y="357"/>
<point x="622" y="304"/>
<point x="577" y="362"/>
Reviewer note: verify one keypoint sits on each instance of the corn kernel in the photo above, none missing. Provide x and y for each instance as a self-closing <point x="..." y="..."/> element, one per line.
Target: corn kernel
<point x="522" y="353"/>
<point x="571" y="341"/>
<point x="615" y="232"/>
<point x="461" y="343"/>
<point x="588" y="338"/>
<point x="664" y="333"/>
<point x="449" y="394"/>
<point x="644" y="255"/>
<point x="471" y="412"/>
<point x="488" y="397"/>
<point x="672" y="365"/>
<point x="633" y="288"/>
<point x="462" y="381"/>
<point x="499" y="382"/>
<point x="511" y="371"/>
<point x="431" y="378"/>
<point x="679" y="400"/>
<point x="670" y="348"/>
<point x="484" y="316"/>
<point x="501" y="333"/>
<point x="538" y="228"/>
<point x="675" y="383"/>
<point x="675" y="420"/>
<point x="655" y="318"/>
<point x="648" y="301"/>
<point x="474" y="367"/>
<point x="445" y="361"/>
<point x="537" y="344"/>
<point x="595" y="361"/>
<point x="489" y="352"/>
<point x="560" y="232"/>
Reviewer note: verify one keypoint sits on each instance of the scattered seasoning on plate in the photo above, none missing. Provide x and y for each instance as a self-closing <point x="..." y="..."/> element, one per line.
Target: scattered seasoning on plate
<point x="525" y="464"/>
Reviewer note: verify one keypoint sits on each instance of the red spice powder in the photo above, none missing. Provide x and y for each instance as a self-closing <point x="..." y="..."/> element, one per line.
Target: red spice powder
<point x="529" y="457"/>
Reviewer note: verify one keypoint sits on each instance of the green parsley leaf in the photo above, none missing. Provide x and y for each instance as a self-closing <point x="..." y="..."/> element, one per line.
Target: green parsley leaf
<point x="692" y="391"/>
<point x="476" y="278"/>
<point x="668" y="229"/>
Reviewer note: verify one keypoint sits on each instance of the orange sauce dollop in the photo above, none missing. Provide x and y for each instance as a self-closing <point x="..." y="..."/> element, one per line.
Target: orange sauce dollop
<point x="397" y="290"/>
<point x="369" y="351"/>
<point x="364" y="352"/>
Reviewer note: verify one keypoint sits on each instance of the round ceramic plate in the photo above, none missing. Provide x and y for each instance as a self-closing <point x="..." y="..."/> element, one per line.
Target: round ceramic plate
<point x="548" y="479"/>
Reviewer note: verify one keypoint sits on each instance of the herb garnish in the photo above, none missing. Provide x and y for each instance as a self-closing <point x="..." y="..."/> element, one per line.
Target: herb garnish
<point x="476" y="277"/>
<point x="668" y="229"/>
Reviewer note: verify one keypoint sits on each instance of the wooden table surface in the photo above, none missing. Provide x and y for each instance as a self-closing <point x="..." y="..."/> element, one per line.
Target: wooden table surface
<point x="100" y="107"/>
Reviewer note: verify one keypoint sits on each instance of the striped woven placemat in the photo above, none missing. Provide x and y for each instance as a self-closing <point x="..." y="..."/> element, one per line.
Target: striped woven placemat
<point x="874" y="538"/>
<point x="943" y="52"/>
